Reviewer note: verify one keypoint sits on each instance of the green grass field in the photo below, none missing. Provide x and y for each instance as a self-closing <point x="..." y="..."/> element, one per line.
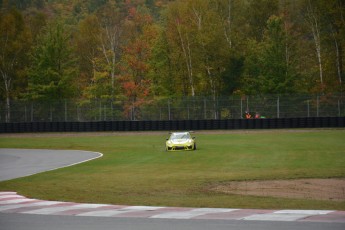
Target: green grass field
<point x="136" y="170"/>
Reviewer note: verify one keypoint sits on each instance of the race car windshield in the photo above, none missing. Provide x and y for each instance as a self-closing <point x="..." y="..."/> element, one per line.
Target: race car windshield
<point x="175" y="136"/>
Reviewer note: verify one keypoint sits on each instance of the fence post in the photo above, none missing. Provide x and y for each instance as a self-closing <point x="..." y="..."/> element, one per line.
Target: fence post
<point x="78" y="113"/>
<point x="308" y="106"/>
<point x="25" y="113"/>
<point x="241" y="108"/>
<point x="100" y="109"/>
<point x="65" y="110"/>
<point x="132" y="112"/>
<point x="205" y="115"/>
<point x="32" y="111"/>
<point x="51" y="113"/>
<point x="112" y="110"/>
<point x="278" y="109"/>
<point x="339" y="108"/>
<point x="169" y="110"/>
<point x="317" y="106"/>
<point x="105" y="112"/>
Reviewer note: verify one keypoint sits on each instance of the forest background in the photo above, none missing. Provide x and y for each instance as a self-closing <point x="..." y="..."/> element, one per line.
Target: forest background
<point x="137" y="51"/>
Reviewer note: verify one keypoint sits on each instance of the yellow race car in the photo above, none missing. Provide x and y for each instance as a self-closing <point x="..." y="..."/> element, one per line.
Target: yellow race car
<point x="180" y="141"/>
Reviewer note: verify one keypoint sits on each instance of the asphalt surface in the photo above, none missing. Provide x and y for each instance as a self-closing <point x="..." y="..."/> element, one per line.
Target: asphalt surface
<point x="16" y="163"/>
<point x="41" y="222"/>
<point x="19" y="163"/>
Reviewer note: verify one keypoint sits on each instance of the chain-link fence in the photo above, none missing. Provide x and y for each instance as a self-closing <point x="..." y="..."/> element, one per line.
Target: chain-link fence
<point x="175" y="108"/>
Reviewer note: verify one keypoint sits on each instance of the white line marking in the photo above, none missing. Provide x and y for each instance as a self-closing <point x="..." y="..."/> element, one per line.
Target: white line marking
<point x="141" y="208"/>
<point x="101" y="213"/>
<point x="15" y="201"/>
<point x="52" y="210"/>
<point x="10" y="196"/>
<point x="305" y="212"/>
<point x="115" y="212"/>
<point x="191" y="213"/>
<point x="40" y="203"/>
<point x="276" y="217"/>
<point x="7" y="193"/>
<point x="91" y="205"/>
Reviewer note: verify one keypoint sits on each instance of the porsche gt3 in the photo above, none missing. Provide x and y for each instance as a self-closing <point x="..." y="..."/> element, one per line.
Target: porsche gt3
<point x="180" y="141"/>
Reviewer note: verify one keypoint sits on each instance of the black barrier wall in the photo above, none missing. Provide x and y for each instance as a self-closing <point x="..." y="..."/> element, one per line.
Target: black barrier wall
<point x="274" y="123"/>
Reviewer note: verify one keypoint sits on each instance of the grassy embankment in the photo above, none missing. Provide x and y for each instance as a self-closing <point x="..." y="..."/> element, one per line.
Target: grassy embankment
<point x="135" y="169"/>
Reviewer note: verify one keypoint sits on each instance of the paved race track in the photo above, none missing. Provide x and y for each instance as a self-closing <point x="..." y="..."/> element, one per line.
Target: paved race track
<point x="18" y="212"/>
<point x="41" y="222"/>
<point x="16" y="163"/>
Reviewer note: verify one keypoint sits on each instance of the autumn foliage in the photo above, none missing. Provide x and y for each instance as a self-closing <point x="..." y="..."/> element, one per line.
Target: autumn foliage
<point x="138" y="50"/>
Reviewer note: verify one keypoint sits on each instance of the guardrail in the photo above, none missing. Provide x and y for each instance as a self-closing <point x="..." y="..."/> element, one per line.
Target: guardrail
<point x="167" y="125"/>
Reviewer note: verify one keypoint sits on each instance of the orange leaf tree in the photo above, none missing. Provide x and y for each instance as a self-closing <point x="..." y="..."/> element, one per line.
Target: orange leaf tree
<point x="135" y="62"/>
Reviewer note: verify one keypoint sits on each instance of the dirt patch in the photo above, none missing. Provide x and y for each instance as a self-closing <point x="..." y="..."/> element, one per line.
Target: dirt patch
<point x="313" y="189"/>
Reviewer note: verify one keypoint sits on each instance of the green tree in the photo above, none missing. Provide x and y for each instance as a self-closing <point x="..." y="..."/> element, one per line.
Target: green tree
<point x="267" y="69"/>
<point x="53" y="65"/>
<point x="232" y="75"/>
<point x="313" y="19"/>
<point x="180" y="32"/>
<point x="259" y="11"/>
<point x="15" y="40"/>
<point x="93" y="5"/>
<point x="88" y="49"/>
<point x="161" y="70"/>
<point x="333" y="41"/>
<point x="323" y="35"/>
<point x="201" y="39"/>
<point x="112" y="23"/>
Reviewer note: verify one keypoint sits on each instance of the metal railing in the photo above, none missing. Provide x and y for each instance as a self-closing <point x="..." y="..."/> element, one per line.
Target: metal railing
<point x="175" y="108"/>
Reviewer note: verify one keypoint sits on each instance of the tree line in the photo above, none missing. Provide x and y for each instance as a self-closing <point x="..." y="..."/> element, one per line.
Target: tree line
<point x="138" y="50"/>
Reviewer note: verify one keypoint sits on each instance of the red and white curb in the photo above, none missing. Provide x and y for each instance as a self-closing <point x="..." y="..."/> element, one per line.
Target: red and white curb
<point x="11" y="202"/>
